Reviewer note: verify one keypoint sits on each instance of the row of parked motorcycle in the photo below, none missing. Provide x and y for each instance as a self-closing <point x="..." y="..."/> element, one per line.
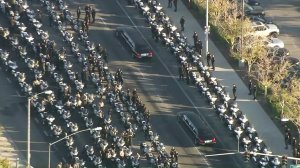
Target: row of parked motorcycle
<point x="73" y="107"/>
<point x="208" y="86"/>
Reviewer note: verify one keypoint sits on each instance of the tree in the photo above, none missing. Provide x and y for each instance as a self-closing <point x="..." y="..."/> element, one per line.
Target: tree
<point x="4" y="163"/>
<point x="292" y="102"/>
<point x="270" y="72"/>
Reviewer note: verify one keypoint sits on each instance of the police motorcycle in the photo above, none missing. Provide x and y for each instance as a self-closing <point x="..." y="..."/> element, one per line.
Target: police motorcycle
<point x="69" y="141"/>
<point x="221" y="110"/>
<point x="243" y="121"/>
<point x="88" y="122"/>
<point x="72" y="126"/>
<point x="56" y="130"/>
<point x="229" y="121"/>
<point x="134" y="162"/>
<point x="275" y="162"/>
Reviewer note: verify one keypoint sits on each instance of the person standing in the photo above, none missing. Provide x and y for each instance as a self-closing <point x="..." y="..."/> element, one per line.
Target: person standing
<point x="93" y="15"/>
<point x="199" y="47"/>
<point x="195" y="37"/>
<point x="50" y="20"/>
<point x="182" y="22"/>
<point x="208" y="59"/>
<point x="170" y="4"/>
<point x="254" y="92"/>
<point x="250" y="87"/>
<point x="78" y="13"/>
<point x="175" y="5"/>
<point x="180" y="71"/>
<point x="234" y="88"/>
<point x="213" y="62"/>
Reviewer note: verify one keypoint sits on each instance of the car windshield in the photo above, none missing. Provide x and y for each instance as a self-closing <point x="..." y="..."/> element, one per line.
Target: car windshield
<point x="248" y="7"/>
<point x="142" y="49"/>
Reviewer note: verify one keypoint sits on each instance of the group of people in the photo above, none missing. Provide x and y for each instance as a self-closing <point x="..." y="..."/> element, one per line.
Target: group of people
<point x="251" y="87"/>
<point x="90" y="16"/>
<point x="171" y="3"/>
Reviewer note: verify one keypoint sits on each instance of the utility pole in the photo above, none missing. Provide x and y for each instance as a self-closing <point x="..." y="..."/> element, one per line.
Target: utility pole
<point x="206" y="31"/>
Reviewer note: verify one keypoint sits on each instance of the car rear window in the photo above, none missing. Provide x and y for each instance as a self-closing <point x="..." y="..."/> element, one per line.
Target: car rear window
<point x="142" y="49"/>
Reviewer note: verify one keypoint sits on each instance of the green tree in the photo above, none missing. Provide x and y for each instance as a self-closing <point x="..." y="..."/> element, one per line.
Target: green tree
<point x="4" y="163"/>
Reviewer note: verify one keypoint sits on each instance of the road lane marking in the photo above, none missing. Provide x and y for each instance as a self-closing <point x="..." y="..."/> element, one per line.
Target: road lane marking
<point x="36" y="120"/>
<point x="45" y="133"/>
<point x="9" y="81"/>
<point x="171" y="75"/>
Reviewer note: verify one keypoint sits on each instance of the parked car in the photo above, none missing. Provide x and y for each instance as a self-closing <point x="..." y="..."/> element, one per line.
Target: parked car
<point x="274" y="43"/>
<point x="265" y="30"/>
<point x="253" y="10"/>
<point x="254" y="18"/>
<point x="138" y="47"/>
<point x="252" y="2"/>
<point x="197" y="128"/>
<point x="279" y="52"/>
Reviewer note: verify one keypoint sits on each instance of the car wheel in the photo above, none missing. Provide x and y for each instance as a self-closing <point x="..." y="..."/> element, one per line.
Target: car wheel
<point x="274" y="34"/>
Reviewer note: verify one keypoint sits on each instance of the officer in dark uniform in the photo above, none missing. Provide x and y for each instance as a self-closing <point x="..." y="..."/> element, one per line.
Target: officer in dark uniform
<point x="182" y="22"/>
<point x="213" y="62"/>
<point x="180" y="71"/>
<point x="250" y="87"/>
<point x="195" y="37"/>
<point x="234" y="88"/>
<point x="254" y="90"/>
<point x="93" y="15"/>
<point x="78" y="12"/>
<point x="208" y="59"/>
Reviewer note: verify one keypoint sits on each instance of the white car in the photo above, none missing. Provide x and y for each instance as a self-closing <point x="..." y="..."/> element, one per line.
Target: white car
<point x="265" y="30"/>
<point x="274" y="43"/>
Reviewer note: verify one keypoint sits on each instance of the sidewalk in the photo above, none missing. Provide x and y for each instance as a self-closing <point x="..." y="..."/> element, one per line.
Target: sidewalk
<point x="265" y="127"/>
<point x="8" y="151"/>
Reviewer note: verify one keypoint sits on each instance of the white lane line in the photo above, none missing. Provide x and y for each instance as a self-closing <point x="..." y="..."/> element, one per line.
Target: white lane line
<point x="9" y="81"/>
<point x="45" y="133"/>
<point x="171" y="74"/>
<point x="36" y="120"/>
<point x="18" y="93"/>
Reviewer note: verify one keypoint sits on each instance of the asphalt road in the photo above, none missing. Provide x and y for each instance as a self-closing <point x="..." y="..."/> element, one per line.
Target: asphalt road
<point x="285" y="14"/>
<point x="158" y="85"/>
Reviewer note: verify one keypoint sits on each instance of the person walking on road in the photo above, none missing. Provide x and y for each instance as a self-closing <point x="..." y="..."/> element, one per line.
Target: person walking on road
<point x="213" y="62"/>
<point x="208" y="59"/>
<point x="234" y="88"/>
<point x="254" y="90"/>
<point x="250" y="87"/>
<point x="175" y="5"/>
<point x="182" y="22"/>
<point x="170" y="4"/>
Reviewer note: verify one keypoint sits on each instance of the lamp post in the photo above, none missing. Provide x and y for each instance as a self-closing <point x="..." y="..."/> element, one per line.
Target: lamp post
<point x="50" y="144"/>
<point x="206" y="31"/>
<point x="28" y="123"/>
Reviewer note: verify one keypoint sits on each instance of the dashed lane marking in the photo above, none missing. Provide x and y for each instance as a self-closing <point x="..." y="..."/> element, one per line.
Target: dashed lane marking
<point x="36" y="120"/>
<point x="9" y="81"/>
<point x="45" y="133"/>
